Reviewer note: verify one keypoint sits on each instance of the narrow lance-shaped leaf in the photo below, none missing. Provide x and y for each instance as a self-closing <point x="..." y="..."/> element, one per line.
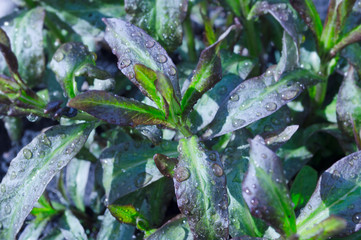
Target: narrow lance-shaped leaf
<point x="337" y="194"/>
<point x="162" y="19"/>
<point x="117" y="110"/>
<point x="200" y="188"/>
<point x="71" y="227"/>
<point x="132" y="45"/>
<point x="176" y="228"/>
<point x="207" y="74"/>
<point x="257" y="98"/>
<point x="5" y="48"/>
<point x="71" y="60"/>
<point x="32" y="169"/>
<point x="265" y="190"/>
<point x="351" y="37"/>
<point x="309" y="14"/>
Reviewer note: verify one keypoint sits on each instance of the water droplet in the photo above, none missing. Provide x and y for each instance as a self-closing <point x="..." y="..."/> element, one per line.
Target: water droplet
<point x="288" y="95"/>
<point x="234" y="97"/>
<point x="336" y="175"/>
<point x="236" y="123"/>
<point x="271" y="106"/>
<point x="161" y="58"/>
<point x="3" y="188"/>
<point x="143" y="179"/>
<point x="263" y="155"/>
<point x="13" y="175"/>
<point x="46" y="141"/>
<point x="69" y="150"/>
<point x="130" y="75"/>
<point x="106" y="201"/>
<point x="58" y="56"/>
<point x="217" y="170"/>
<point x="149" y="43"/>
<point x="356" y="218"/>
<point x="32" y="117"/>
<point x="242" y="86"/>
<point x="27" y="153"/>
<point x="172" y="71"/>
<point x="247" y="191"/>
<point x="181" y="174"/>
<point x="254" y="201"/>
<point x="7" y="209"/>
<point x="213" y="156"/>
<point x="125" y="63"/>
<point x="27" y="42"/>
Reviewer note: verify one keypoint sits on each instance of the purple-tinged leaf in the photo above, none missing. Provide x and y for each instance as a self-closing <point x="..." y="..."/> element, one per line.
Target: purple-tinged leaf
<point x="257" y="98"/>
<point x="113" y="229"/>
<point x="278" y="140"/>
<point x="352" y="53"/>
<point x="207" y="74"/>
<point x="348" y="107"/>
<point x="337" y="194"/>
<point x="265" y="190"/>
<point x="309" y="14"/>
<point x="200" y="188"/>
<point x="176" y="228"/>
<point x="32" y="169"/>
<point x="282" y="12"/>
<point x="117" y="110"/>
<point x="165" y="164"/>
<point x="351" y="37"/>
<point x="9" y="56"/>
<point x="71" y="60"/>
<point x="132" y="46"/>
<point x="162" y="19"/>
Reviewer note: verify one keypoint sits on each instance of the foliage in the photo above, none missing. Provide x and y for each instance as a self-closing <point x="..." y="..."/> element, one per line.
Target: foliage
<point x="235" y="111"/>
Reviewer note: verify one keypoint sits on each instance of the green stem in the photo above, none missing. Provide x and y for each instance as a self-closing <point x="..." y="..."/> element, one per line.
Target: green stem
<point x="188" y="31"/>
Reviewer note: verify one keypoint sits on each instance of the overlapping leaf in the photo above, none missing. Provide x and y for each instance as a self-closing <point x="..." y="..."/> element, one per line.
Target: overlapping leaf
<point x="265" y="190"/>
<point x="351" y="37"/>
<point x="32" y="169"/>
<point x="112" y="229"/>
<point x="71" y="227"/>
<point x="129" y="215"/>
<point x="200" y="187"/>
<point x="337" y="194"/>
<point x="176" y="228"/>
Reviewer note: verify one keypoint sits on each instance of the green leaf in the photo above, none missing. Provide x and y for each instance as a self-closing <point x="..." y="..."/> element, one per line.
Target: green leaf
<point x="130" y="166"/>
<point x="132" y="45"/>
<point x="165" y="164"/>
<point x="352" y="53"/>
<point x="257" y="98"/>
<point x="129" y="215"/>
<point x="176" y="229"/>
<point x="207" y="73"/>
<point x="71" y="227"/>
<point x="303" y="186"/>
<point x="111" y="229"/>
<point x="27" y="44"/>
<point x="309" y="14"/>
<point x="348" y="107"/>
<point x="72" y="60"/>
<point x="34" y="230"/>
<point x="265" y="190"/>
<point x="236" y="64"/>
<point x="325" y="229"/>
<point x="351" y="37"/>
<point x="161" y="19"/>
<point x="117" y="110"/>
<point x="32" y="169"/>
<point x="200" y="188"/>
<point x="337" y="194"/>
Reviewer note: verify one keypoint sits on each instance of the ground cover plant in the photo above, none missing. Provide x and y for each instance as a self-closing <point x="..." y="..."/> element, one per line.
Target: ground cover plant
<point x="160" y="119"/>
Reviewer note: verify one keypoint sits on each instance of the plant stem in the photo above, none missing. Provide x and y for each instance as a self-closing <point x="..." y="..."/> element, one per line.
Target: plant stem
<point x="190" y="39"/>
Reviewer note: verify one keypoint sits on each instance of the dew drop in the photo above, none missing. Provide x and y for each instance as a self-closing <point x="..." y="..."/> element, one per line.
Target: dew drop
<point x="247" y="191"/>
<point x="356" y="218"/>
<point x="125" y="63"/>
<point x="46" y="141"/>
<point x="149" y="43"/>
<point x="172" y="71"/>
<point x="27" y="153"/>
<point x="27" y="42"/>
<point x="213" y="156"/>
<point x="2" y="188"/>
<point x="58" y="56"/>
<point x="271" y="106"/>
<point x="288" y="95"/>
<point x="236" y="123"/>
<point x="217" y="170"/>
<point x="263" y="155"/>
<point x="254" y="201"/>
<point x="32" y="117"/>
<point x="181" y="174"/>
<point x="336" y="175"/>
<point x="7" y="209"/>
<point x="161" y="58"/>
<point x="143" y="179"/>
<point x="130" y="75"/>
<point x="234" y="97"/>
<point x="13" y="175"/>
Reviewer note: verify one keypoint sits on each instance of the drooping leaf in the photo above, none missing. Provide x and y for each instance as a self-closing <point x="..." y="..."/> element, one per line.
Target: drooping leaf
<point x="130" y="166"/>
<point x="129" y="215"/>
<point x="303" y="186"/>
<point x="200" y="188"/>
<point x="132" y="45"/>
<point x="27" y="44"/>
<point x="257" y="98"/>
<point x="351" y="37"/>
<point x="32" y="169"/>
<point x="309" y="14"/>
<point x="117" y="110"/>
<point x="161" y="19"/>
<point x="337" y="194"/>
<point x="176" y="228"/>
<point x="112" y="229"/>
<point x="265" y="190"/>
<point x="207" y="74"/>
<point x="71" y="60"/>
<point x="71" y="227"/>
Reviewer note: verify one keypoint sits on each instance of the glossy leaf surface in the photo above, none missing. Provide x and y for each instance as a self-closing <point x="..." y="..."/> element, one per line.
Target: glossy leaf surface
<point x="176" y="228"/>
<point x="129" y="215"/>
<point x="71" y="227"/>
<point x="112" y="229"/>
<point x="351" y="37"/>
<point x="265" y="190"/>
<point x="117" y="110"/>
<point x="32" y="169"/>
<point x="200" y="188"/>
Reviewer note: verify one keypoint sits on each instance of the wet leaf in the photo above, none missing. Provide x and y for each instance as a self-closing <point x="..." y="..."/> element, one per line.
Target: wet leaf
<point x="27" y="45"/>
<point x="32" y="169"/>
<point x="33" y="230"/>
<point x="207" y="74"/>
<point x="111" y="229"/>
<point x="351" y="37"/>
<point x="7" y="53"/>
<point x="72" y="60"/>
<point x="325" y="229"/>
<point x="165" y="164"/>
<point x="265" y="190"/>
<point x="71" y="227"/>
<point x="130" y="166"/>
<point x="303" y="186"/>
<point x="161" y="19"/>
<point x="200" y="188"/>
<point x="129" y="215"/>
<point x="337" y="194"/>
<point x="117" y="110"/>
<point x="236" y="64"/>
<point x="352" y="54"/>
<point x="132" y="45"/>
<point x="257" y="98"/>
<point x="176" y="228"/>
